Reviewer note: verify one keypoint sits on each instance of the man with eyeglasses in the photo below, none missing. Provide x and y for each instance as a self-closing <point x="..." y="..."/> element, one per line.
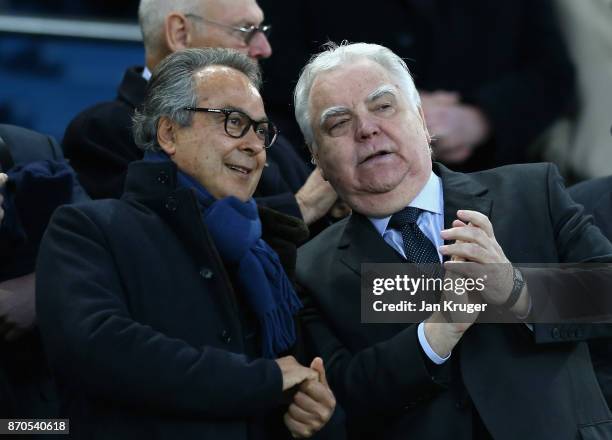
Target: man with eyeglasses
<point x="99" y="143"/>
<point x="192" y="338"/>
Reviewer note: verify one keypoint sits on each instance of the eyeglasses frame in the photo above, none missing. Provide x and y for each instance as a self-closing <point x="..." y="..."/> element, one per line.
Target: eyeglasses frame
<point x="252" y="123"/>
<point x="248" y="33"/>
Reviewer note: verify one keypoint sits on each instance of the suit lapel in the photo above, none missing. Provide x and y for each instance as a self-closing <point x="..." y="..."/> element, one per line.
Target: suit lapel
<point x="361" y="243"/>
<point x="461" y="191"/>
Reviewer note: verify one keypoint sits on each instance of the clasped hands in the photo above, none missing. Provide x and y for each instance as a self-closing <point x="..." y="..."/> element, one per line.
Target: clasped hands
<point x="313" y="402"/>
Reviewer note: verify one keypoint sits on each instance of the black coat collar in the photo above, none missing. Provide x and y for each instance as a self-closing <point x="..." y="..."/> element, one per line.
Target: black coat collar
<point x="133" y="86"/>
<point x="153" y="184"/>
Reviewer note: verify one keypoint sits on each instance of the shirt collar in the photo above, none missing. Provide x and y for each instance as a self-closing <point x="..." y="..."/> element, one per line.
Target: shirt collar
<point x="146" y="73"/>
<point x="429" y="199"/>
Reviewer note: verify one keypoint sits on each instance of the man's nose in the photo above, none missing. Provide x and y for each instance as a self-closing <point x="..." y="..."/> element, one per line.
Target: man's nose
<point x="251" y="143"/>
<point x="259" y="46"/>
<point x="366" y="127"/>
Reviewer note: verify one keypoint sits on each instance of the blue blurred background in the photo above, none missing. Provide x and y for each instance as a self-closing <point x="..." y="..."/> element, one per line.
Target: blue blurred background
<point x="50" y="69"/>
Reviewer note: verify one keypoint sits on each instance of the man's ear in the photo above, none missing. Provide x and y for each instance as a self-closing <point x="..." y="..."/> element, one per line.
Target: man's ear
<point x="166" y="135"/>
<point x="176" y="31"/>
<point x="314" y="159"/>
<point x="422" y="116"/>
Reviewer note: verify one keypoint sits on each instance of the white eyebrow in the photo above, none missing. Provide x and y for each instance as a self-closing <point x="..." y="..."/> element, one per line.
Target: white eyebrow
<point x="386" y="89"/>
<point x="332" y="111"/>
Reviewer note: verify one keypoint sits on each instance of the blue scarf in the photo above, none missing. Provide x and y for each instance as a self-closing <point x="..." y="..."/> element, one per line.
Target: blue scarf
<point x="236" y="231"/>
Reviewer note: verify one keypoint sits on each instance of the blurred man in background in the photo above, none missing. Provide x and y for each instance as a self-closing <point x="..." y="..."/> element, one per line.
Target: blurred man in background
<point x="99" y="143"/>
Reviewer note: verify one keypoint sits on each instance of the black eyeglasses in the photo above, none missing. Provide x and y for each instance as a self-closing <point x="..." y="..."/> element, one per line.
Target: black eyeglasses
<point x="237" y="124"/>
<point x="246" y="32"/>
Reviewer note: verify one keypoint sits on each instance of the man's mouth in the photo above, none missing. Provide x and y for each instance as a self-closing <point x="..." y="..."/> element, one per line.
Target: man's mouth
<point x="239" y="169"/>
<point x="376" y="155"/>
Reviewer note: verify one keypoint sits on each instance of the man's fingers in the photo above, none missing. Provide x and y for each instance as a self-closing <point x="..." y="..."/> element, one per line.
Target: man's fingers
<point x="321" y="412"/>
<point x="319" y="392"/>
<point x="466" y="234"/>
<point x="303" y="374"/>
<point x="458" y="223"/>
<point x="299" y="415"/>
<point x="293" y="373"/>
<point x="317" y="365"/>
<point x="297" y="429"/>
<point x="477" y="219"/>
<point x="470" y="251"/>
<point x="311" y="408"/>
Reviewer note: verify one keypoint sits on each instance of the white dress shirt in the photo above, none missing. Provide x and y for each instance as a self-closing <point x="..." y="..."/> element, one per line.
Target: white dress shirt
<point x="430" y="222"/>
<point x="146" y="73"/>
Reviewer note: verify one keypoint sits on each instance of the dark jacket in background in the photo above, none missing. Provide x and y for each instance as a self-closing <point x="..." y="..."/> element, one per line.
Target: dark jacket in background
<point x="145" y="331"/>
<point x="26" y="390"/>
<point x="100" y="146"/>
<point x="506" y="57"/>
<point x="17" y="257"/>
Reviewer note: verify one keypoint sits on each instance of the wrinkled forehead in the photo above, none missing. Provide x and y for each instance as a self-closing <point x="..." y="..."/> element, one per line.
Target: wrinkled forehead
<point x="350" y="86"/>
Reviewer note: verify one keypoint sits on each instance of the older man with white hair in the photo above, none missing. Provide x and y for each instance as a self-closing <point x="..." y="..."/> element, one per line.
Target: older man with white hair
<point x="99" y="142"/>
<point x="361" y="117"/>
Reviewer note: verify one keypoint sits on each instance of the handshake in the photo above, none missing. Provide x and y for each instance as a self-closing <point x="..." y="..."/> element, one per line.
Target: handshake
<point x="313" y="402"/>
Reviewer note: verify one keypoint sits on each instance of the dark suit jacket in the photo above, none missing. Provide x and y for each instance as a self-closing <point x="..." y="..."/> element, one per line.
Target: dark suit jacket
<point x="100" y="146"/>
<point x="521" y="385"/>
<point x="27" y="390"/>
<point x="506" y="57"/>
<point x="26" y="146"/>
<point x="144" y="328"/>
<point x="596" y="197"/>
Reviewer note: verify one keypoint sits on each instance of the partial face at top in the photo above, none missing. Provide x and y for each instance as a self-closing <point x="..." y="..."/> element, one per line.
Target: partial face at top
<point x="372" y="146"/>
<point x="224" y="165"/>
<point x="238" y="13"/>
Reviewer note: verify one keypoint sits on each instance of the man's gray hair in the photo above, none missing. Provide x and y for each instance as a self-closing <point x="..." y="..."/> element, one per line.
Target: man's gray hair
<point x="152" y="14"/>
<point x="334" y="56"/>
<point x="172" y="88"/>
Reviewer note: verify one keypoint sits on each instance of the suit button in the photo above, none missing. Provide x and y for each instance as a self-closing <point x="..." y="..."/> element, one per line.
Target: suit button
<point x="556" y="333"/>
<point x="162" y="177"/>
<point x="171" y="204"/>
<point x="206" y="273"/>
<point x="225" y="337"/>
